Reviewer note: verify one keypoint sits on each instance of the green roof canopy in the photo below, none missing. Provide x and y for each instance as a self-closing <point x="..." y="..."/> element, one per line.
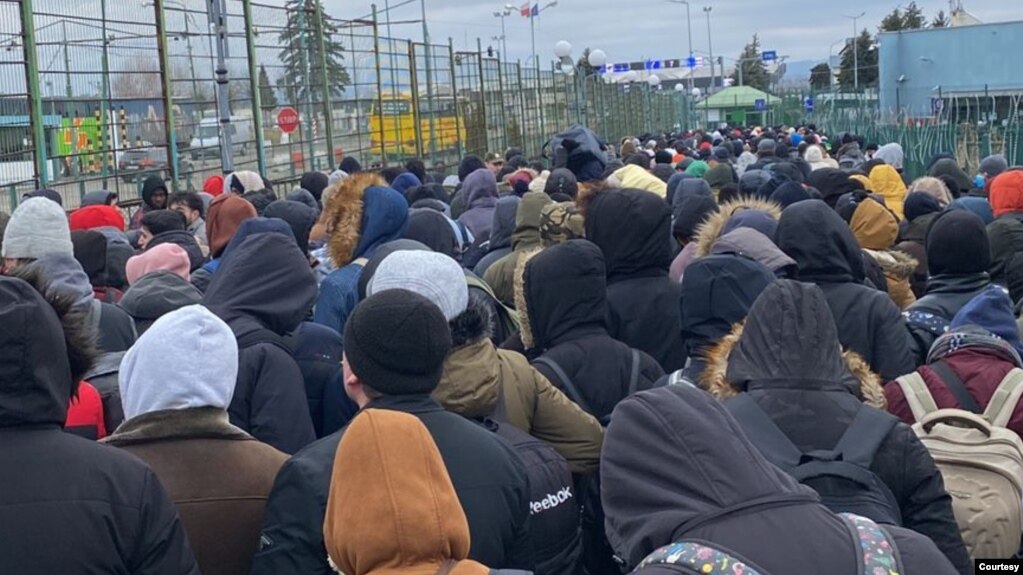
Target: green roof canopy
<point x="738" y="97"/>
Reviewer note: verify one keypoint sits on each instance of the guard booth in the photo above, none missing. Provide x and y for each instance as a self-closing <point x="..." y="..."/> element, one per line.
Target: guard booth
<point x="738" y="105"/>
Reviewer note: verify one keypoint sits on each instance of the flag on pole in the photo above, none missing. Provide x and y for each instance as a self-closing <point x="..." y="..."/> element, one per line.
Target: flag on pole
<point x="536" y="10"/>
<point x="524" y="10"/>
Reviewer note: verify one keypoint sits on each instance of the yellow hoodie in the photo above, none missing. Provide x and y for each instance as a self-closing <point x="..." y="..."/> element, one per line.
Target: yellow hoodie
<point x="888" y="183"/>
<point x="635" y="177"/>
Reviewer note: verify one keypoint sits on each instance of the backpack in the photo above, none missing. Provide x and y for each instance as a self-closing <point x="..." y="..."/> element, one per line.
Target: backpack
<point x="103" y="376"/>
<point x="568" y="386"/>
<point x="842" y="475"/>
<point x="878" y="553"/>
<point x="574" y="148"/>
<point x="980" y="460"/>
<point x="553" y="502"/>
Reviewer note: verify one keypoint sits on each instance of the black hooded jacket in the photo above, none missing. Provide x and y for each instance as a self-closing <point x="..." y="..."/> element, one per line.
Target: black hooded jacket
<point x="263" y="290"/>
<point x="677" y="466"/>
<point x="69" y="505"/>
<point x="156" y="294"/>
<point x="717" y="292"/>
<point x="828" y="255"/>
<point x="633" y="230"/>
<point x="788" y="361"/>
<point x="833" y="183"/>
<point x="565" y="320"/>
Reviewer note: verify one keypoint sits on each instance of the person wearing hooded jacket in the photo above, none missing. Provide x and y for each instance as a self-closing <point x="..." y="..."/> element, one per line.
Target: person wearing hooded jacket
<point x="355" y="230"/>
<point x="958" y="257"/>
<point x="477" y="375"/>
<point x="226" y="214"/>
<point x="154" y="197"/>
<point x="480" y="191"/>
<point x="1006" y="232"/>
<point x="394" y="507"/>
<point x="501" y="275"/>
<point x="177" y="423"/>
<point x="921" y="209"/>
<point x="677" y="467"/>
<point x="633" y="230"/>
<point x="500" y="243"/>
<point x="787" y="359"/>
<point x="887" y="182"/>
<point x="69" y="505"/>
<point x="876" y="228"/>
<point x="263" y="290"/>
<point x="395" y="345"/>
<point x="828" y="255"/>
<point x="717" y="292"/>
<point x="981" y="347"/>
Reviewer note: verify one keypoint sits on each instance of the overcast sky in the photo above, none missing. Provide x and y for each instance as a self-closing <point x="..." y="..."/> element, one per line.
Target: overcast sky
<point x="631" y="30"/>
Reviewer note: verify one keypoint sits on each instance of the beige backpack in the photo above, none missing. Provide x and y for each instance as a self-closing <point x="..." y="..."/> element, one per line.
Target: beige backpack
<point x="980" y="460"/>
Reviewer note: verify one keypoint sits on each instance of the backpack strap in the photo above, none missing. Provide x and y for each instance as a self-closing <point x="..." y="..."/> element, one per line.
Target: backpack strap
<point x="865" y="435"/>
<point x="96" y="315"/>
<point x="700" y="557"/>
<point x="764" y="433"/>
<point x="917" y="395"/>
<point x="509" y="317"/>
<point x="956" y="386"/>
<point x="634" y="376"/>
<point x="878" y="553"/>
<point x="567" y="385"/>
<point x="1003" y="403"/>
<point x="679" y="378"/>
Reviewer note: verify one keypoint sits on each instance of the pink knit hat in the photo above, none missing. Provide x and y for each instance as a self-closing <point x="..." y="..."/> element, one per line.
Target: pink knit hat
<point x="170" y="257"/>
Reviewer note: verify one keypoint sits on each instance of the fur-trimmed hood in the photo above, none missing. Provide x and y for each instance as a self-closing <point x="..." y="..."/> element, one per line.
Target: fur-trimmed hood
<point x="471" y="382"/>
<point x="894" y="263"/>
<point x="789" y="340"/>
<point x="362" y="213"/>
<point x="713" y="227"/>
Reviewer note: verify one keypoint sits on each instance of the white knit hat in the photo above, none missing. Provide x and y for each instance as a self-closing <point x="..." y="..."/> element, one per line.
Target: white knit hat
<point x="38" y="227"/>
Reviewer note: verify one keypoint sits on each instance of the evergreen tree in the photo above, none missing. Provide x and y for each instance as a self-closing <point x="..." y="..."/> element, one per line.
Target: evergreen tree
<point x="754" y="71"/>
<point x="894" y="21"/>
<point x="267" y="96"/>
<point x="940" y="21"/>
<point x="820" y="76"/>
<point x="914" y="17"/>
<point x="865" y="57"/>
<point x="303" y="65"/>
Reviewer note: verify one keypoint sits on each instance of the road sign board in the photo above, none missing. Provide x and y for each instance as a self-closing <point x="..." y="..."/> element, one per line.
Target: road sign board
<point x="691" y="62"/>
<point x="287" y="119"/>
<point x="808" y="103"/>
<point x="760" y="104"/>
<point x="937" y="106"/>
<point x="769" y="55"/>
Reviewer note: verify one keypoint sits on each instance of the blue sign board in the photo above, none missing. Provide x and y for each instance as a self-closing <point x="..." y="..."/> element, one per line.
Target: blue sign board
<point x="691" y="62"/>
<point x="769" y="55"/>
<point x="808" y="103"/>
<point x="653" y="64"/>
<point x="760" y="104"/>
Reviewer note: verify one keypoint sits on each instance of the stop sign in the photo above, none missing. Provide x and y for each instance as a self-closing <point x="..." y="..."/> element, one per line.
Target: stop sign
<point x="287" y="119"/>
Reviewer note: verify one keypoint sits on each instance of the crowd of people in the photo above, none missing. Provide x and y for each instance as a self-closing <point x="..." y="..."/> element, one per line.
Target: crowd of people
<point x="748" y="350"/>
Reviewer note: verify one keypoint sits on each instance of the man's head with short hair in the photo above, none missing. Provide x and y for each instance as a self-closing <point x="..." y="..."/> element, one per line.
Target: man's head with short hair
<point x="187" y="204"/>
<point x="157" y="222"/>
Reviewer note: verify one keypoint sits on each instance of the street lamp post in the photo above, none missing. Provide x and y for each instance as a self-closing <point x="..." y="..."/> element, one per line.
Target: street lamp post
<point x="856" y="50"/>
<point x="504" y="35"/>
<point x="596" y="59"/>
<point x="689" y="25"/>
<point x="710" y="46"/>
<point x="532" y="28"/>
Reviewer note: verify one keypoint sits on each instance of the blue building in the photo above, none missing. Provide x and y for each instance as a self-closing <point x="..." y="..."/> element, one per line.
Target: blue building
<point x="961" y="73"/>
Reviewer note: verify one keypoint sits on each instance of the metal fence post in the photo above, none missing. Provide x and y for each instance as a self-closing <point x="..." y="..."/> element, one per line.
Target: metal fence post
<point x="539" y="103"/>
<point x="168" y="93"/>
<point x="380" y="86"/>
<point x="34" y="97"/>
<point x="309" y="125"/>
<point x="328" y="108"/>
<point x="483" y="95"/>
<point x="459" y="121"/>
<point x="417" y="112"/>
<point x="257" y="102"/>
<point x="504" y="116"/>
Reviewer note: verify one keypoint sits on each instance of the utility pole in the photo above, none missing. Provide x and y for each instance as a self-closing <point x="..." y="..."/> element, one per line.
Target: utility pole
<point x="856" y="49"/>
<point x="429" y="83"/>
<point x="689" y="25"/>
<point x="504" y="35"/>
<point x="710" y="46"/>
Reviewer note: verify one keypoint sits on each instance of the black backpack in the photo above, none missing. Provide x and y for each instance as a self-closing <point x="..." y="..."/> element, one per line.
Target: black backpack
<point x="573" y="393"/>
<point x="553" y="502"/>
<point x="574" y="148"/>
<point x="103" y="376"/>
<point x="841" y="476"/>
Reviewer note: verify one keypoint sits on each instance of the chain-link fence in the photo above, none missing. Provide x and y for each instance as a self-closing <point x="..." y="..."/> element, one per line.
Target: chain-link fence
<point x="102" y="94"/>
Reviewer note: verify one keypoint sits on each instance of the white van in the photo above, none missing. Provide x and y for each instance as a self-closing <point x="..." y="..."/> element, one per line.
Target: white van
<point x="206" y="139"/>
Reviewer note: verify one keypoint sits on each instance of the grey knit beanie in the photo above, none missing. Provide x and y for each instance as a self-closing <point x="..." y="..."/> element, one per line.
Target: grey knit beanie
<point x="38" y="227"/>
<point x="434" y="276"/>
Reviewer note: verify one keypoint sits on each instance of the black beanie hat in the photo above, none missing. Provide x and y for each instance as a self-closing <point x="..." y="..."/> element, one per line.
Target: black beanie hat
<point x="396" y="342"/>
<point x="957" y="243"/>
<point x="468" y="165"/>
<point x="314" y="183"/>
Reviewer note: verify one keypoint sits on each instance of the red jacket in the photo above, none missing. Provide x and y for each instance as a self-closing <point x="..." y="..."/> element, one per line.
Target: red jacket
<point x="979" y="370"/>
<point x="85" y="414"/>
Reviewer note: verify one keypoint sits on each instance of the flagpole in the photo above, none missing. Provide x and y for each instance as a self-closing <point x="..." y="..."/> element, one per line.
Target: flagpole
<point x="532" y="35"/>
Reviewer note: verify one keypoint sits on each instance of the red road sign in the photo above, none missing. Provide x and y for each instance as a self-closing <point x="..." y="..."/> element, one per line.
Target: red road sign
<point x="287" y="119"/>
